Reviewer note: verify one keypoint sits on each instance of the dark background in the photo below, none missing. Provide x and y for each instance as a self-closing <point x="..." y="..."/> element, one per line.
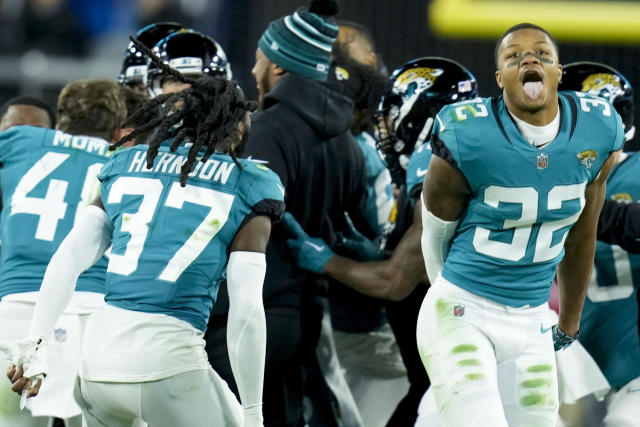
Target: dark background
<point x="94" y="34"/>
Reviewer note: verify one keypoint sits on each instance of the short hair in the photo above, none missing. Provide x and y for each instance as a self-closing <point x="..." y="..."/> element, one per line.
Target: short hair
<point x="32" y="101"/>
<point x="363" y="31"/>
<point x="524" y="26"/>
<point x="91" y="107"/>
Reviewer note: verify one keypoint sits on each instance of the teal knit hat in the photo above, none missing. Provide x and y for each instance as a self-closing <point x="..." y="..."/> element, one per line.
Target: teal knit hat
<point x="301" y="43"/>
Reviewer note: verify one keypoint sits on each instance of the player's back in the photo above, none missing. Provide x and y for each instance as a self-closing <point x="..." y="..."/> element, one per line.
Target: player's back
<point x="170" y="243"/>
<point x="524" y="199"/>
<point x="45" y="176"/>
<point x="609" y="321"/>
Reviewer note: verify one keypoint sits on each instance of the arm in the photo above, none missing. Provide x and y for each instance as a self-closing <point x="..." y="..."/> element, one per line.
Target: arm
<point x="575" y="268"/>
<point x="619" y="224"/>
<point x="246" y="331"/>
<point x="392" y="279"/>
<point x="444" y="198"/>
<point x="83" y="246"/>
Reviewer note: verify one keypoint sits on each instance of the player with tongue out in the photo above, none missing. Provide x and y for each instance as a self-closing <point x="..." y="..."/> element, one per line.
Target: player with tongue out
<point x="512" y="197"/>
<point x="528" y="74"/>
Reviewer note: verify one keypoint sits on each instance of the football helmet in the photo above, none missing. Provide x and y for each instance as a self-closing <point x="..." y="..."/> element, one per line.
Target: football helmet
<point x="601" y="80"/>
<point x="134" y="64"/>
<point x="405" y="115"/>
<point x="192" y="54"/>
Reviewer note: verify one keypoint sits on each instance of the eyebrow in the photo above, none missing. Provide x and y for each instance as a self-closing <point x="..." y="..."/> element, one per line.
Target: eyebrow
<point x="516" y="44"/>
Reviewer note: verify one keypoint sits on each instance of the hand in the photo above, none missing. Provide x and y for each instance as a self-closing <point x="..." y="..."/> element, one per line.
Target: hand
<point x="253" y="416"/>
<point x="357" y="245"/>
<point x="310" y="253"/>
<point x="28" y="364"/>
<point x="561" y="340"/>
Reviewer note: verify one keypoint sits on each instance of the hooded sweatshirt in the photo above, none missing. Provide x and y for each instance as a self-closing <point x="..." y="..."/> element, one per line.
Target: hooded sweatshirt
<point x="303" y="132"/>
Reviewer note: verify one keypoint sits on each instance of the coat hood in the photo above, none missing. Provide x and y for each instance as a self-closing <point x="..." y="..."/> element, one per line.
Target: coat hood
<point x="322" y="105"/>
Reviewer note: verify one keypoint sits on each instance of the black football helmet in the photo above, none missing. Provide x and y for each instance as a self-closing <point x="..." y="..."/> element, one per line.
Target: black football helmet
<point x="603" y="81"/>
<point x="420" y="88"/>
<point x="190" y="52"/>
<point x="134" y="65"/>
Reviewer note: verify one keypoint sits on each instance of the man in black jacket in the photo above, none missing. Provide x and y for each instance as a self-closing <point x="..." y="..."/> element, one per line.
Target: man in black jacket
<point x="303" y="133"/>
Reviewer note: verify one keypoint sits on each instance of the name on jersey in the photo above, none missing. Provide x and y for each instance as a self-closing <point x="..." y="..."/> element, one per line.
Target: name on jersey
<point x="211" y="170"/>
<point x="85" y="143"/>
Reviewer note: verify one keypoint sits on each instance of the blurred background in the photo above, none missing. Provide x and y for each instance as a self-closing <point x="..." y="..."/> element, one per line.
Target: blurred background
<point x="46" y="43"/>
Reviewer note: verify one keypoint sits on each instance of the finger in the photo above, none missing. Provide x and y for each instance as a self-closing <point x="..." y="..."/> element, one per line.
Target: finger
<point x="347" y="219"/>
<point x="33" y="391"/>
<point x="21" y="384"/>
<point x="11" y="370"/>
<point x="18" y="373"/>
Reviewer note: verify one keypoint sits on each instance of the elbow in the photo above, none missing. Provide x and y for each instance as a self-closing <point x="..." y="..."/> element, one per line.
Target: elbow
<point x="399" y="288"/>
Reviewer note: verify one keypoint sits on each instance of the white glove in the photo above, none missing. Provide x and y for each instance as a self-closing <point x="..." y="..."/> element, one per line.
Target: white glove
<point x="253" y="416"/>
<point x="31" y="353"/>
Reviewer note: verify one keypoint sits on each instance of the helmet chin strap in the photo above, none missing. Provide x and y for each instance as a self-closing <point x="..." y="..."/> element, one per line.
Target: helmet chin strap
<point x="426" y="130"/>
<point x="628" y="135"/>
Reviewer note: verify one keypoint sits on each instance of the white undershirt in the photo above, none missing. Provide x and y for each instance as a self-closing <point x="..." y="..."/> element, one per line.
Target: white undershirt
<point x="538" y="135"/>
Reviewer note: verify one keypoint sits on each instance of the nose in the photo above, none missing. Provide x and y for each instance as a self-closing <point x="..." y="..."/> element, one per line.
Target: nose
<point x="529" y="58"/>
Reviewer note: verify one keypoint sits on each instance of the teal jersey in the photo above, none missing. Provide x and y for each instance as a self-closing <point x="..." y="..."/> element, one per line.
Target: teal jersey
<point x="45" y="175"/>
<point x="379" y="191"/>
<point x="609" y="322"/>
<point x="523" y="199"/>
<point x="170" y="243"/>
<point x="417" y="169"/>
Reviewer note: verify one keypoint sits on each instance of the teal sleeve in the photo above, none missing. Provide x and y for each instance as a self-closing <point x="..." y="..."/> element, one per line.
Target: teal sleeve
<point x="263" y="190"/>
<point x="620" y="135"/>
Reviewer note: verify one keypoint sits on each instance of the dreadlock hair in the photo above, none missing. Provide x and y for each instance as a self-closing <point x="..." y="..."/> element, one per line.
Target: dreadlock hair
<point x="207" y="114"/>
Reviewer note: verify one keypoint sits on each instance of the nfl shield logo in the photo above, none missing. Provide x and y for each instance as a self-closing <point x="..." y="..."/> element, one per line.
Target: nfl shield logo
<point x="543" y="161"/>
<point x="458" y="310"/>
<point x="60" y="335"/>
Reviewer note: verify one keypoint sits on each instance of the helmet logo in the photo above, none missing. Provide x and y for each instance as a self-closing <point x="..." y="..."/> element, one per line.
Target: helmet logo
<point x="602" y="84"/>
<point x="422" y="77"/>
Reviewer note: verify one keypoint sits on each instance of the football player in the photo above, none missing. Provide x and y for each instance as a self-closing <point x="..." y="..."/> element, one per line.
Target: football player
<point x="145" y="356"/>
<point x="47" y="177"/>
<point x="513" y="193"/>
<point x="26" y="110"/>
<point x="609" y="323"/>
<point x="420" y="88"/>
<point x="192" y="54"/>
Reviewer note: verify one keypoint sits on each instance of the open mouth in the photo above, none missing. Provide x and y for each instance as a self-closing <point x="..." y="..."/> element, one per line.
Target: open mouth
<point x="532" y="83"/>
<point x="532" y="76"/>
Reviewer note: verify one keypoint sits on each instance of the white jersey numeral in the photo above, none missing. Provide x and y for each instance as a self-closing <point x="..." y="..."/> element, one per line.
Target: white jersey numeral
<point x="51" y="208"/>
<point x="623" y="278"/>
<point x="587" y="102"/>
<point x="528" y="199"/>
<point x="207" y="229"/>
<point x="134" y="223"/>
<point x="137" y="223"/>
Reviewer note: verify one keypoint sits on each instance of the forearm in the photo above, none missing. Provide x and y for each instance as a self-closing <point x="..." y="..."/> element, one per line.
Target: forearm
<point x="573" y="278"/>
<point x="83" y="246"/>
<point x="370" y="278"/>
<point x="246" y="332"/>
<point x="392" y="279"/>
